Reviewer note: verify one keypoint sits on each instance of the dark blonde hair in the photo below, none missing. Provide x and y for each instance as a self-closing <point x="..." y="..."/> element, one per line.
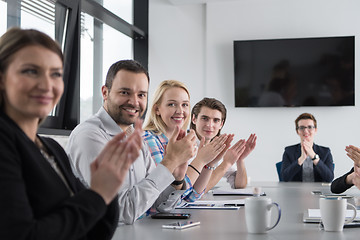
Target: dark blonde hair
<point x="16" y="39"/>
<point x="154" y="121"/>
<point x="305" y="116"/>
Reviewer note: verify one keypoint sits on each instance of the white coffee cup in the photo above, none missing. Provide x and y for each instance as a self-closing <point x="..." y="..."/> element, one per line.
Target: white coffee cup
<point x="333" y="213"/>
<point x="258" y="214"/>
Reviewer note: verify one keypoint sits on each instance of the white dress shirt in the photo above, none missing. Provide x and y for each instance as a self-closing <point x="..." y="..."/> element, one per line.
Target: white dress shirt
<point x="144" y="187"/>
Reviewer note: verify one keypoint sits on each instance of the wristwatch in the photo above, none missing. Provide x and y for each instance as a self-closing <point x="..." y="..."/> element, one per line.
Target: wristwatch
<point x="177" y="183"/>
<point x="315" y="157"/>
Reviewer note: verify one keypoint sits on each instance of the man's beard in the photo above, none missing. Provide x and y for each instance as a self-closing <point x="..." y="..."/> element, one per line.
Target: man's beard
<point x="116" y="113"/>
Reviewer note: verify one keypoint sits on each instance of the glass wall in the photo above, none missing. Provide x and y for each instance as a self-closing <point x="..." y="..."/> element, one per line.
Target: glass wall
<point x="3" y="18"/>
<point x="123" y="9"/>
<point x="39" y="15"/>
<point x="111" y="47"/>
<point x="93" y="37"/>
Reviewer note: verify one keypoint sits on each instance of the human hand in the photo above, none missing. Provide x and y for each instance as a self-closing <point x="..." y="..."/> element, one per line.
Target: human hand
<point x="111" y="166"/>
<point x="354" y="154"/>
<point x="349" y="178"/>
<point x="234" y="153"/>
<point x="356" y="177"/>
<point x="180" y="149"/>
<point x="222" y="153"/>
<point x="308" y="147"/>
<point x="249" y="146"/>
<point x="179" y="172"/>
<point x="303" y="155"/>
<point x="208" y="152"/>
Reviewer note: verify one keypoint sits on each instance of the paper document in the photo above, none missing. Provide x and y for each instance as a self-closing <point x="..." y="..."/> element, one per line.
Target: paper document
<point x="213" y="204"/>
<point x="231" y="191"/>
<point x="313" y="215"/>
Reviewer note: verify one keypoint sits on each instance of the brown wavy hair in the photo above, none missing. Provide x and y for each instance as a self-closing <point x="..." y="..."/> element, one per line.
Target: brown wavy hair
<point x="16" y="39"/>
<point x="211" y="103"/>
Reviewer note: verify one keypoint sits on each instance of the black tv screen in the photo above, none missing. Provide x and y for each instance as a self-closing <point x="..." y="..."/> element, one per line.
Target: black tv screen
<point x="295" y="72"/>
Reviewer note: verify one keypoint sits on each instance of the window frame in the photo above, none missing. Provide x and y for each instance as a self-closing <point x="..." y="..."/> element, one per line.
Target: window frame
<point x="68" y="114"/>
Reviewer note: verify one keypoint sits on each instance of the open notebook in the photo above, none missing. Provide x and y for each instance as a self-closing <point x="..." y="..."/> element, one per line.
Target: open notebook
<point x="213" y="204"/>
<point x="313" y="215"/>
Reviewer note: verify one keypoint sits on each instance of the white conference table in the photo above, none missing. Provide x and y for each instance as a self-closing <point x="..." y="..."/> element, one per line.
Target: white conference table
<point x="293" y="198"/>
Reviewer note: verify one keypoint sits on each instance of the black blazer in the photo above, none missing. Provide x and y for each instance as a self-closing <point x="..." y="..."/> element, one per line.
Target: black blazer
<point x="292" y="172"/>
<point x="34" y="201"/>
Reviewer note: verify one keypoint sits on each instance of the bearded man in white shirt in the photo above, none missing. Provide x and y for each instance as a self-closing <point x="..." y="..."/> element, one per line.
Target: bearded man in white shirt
<point x="147" y="185"/>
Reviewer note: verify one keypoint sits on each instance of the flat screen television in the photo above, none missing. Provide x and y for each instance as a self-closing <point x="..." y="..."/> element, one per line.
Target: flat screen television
<point x="295" y="72"/>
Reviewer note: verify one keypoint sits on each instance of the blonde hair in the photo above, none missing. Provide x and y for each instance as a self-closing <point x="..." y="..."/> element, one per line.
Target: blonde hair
<point x="153" y="121"/>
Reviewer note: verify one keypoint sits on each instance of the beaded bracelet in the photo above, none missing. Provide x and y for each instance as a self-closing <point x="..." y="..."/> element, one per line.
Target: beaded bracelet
<point x="208" y="167"/>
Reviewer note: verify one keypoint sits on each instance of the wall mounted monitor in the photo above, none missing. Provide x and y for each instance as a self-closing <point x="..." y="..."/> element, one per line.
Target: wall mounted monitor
<point x="295" y="72"/>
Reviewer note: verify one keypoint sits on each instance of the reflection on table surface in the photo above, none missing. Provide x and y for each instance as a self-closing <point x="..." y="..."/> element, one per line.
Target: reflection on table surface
<point x="293" y="198"/>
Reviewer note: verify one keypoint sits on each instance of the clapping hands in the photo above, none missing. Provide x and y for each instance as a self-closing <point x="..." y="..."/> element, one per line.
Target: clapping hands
<point x="356" y="177"/>
<point x="180" y="149"/>
<point x="353" y="153"/>
<point x="212" y="151"/>
<point x="240" y="150"/>
<point x="111" y="166"/>
<point x="306" y="150"/>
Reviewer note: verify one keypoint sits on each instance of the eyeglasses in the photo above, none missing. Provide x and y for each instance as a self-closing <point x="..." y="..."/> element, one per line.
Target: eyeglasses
<point x="302" y="128"/>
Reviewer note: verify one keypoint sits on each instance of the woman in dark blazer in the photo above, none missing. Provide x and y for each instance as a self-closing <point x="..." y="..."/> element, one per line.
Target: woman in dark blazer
<point x="40" y="197"/>
<point x="351" y="178"/>
<point x="343" y="183"/>
<point x="306" y="161"/>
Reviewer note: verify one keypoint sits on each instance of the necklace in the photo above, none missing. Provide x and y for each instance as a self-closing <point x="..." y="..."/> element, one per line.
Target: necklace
<point x="51" y="160"/>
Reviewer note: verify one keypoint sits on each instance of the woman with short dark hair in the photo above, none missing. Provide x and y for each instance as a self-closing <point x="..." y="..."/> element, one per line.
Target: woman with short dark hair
<point x="306" y="161"/>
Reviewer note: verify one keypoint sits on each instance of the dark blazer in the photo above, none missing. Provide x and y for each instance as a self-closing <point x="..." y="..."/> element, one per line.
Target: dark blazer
<point x="292" y="172"/>
<point x="339" y="185"/>
<point x="34" y="201"/>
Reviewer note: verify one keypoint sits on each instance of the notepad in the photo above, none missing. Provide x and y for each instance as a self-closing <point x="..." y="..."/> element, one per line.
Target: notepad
<point x="242" y="192"/>
<point x="314" y="216"/>
<point x="213" y="204"/>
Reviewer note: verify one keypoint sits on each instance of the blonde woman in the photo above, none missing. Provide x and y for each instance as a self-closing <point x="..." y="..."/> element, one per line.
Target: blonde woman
<point x="171" y="109"/>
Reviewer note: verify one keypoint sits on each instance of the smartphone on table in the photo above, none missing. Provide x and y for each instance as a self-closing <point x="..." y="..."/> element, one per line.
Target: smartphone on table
<point x="180" y="225"/>
<point x="171" y="216"/>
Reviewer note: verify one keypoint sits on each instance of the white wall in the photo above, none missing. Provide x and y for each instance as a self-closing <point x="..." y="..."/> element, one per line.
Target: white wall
<point x="193" y="43"/>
